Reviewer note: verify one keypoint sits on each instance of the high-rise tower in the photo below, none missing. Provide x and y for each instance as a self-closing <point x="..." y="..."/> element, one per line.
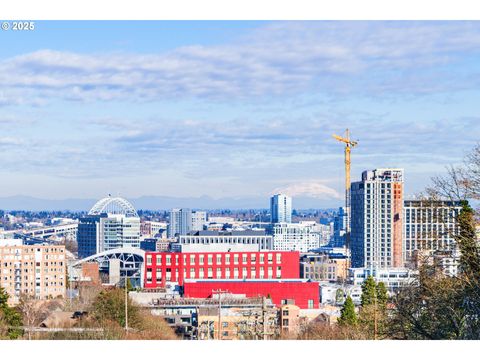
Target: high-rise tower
<point x="376" y="219"/>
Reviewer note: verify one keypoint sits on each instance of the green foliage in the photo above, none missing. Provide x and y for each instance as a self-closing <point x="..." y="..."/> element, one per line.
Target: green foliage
<point x="10" y="319"/>
<point x="129" y="285"/>
<point x="441" y="307"/>
<point x="109" y="306"/>
<point x="348" y="316"/>
<point x="339" y="296"/>
<point x="466" y="240"/>
<point x="382" y="295"/>
<point x="368" y="291"/>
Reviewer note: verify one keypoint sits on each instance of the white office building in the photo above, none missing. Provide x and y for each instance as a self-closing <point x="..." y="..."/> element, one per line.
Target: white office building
<point x="301" y="237"/>
<point x="211" y="240"/>
<point x="393" y="278"/>
<point x="111" y="223"/>
<point x="430" y="226"/>
<point x="199" y="220"/>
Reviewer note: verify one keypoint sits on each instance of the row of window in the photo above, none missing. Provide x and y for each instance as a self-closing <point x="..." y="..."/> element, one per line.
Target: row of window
<point x="218" y="274"/>
<point x="219" y="259"/>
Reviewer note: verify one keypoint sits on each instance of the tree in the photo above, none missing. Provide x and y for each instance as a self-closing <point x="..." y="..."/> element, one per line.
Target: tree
<point x="339" y="296"/>
<point x="441" y="307"/>
<point x="348" y="315"/>
<point x="109" y="306"/>
<point x="10" y="319"/>
<point x="382" y="295"/>
<point x="32" y="312"/>
<point x="368" y="291"/>
<point x="109" y="313"/>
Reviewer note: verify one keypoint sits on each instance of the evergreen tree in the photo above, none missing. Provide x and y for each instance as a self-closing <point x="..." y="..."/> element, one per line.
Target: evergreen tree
<point x="466" y="240"/>
<point x="339" y="296"/>
<point x="348" y="315"/>
<point x="10" y="317"/>
<point x="368" y="291"/>
<point x="382" y="296"/>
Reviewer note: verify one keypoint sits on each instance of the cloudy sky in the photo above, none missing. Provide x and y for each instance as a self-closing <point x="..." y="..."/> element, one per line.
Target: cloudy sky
<point x="232" y="109"/>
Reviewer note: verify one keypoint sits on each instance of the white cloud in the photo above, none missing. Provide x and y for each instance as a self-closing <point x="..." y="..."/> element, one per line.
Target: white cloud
<point x="281" y="58"/>
<point x="314" y="189"/>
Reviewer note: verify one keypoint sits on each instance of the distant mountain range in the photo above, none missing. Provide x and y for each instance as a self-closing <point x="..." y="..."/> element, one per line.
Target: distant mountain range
<point x="21" y="202"/>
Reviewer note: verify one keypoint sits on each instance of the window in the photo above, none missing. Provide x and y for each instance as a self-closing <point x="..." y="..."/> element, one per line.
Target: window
<point x="235" y="259"/>
<point x="219" y="273"/>
<point x="262" y="258"/>
<point x="244" y="258"/>
<point x="279" y="258"/>
<point x="192" y="259"/>
<point x="219" y="259"/>
<point x="224" y="324"/>
<point x="169" y="260"/>
<point x="227" y="259"/>
<point x="210" y="259"/>
<point x="285" y="322"/>
<point x="149" y="259"/>
<point x="201" y="259"/>
<point x="310" y="304"/>
<point x="285" y="312"/>
<point x="192" y="273"/>
<point x="253" y="258"/>
<point x="159" y="259"/>
<point x="270" y="258"/>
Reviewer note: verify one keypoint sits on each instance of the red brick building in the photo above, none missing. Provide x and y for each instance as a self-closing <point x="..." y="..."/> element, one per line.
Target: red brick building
<point x="305" y="294"/>
<point x="162" y="267"/>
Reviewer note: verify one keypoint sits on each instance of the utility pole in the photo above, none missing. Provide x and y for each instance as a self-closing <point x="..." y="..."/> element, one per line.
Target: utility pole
<point x="219" y="293"/>
<point x="264" y="314"/>
<point x="375" y="329"/>
<point x="126" y="303"/>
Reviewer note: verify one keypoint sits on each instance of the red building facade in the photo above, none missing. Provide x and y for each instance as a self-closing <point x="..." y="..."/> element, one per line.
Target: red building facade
<point x="162" y="267"/>
<point x="304" y="294"/>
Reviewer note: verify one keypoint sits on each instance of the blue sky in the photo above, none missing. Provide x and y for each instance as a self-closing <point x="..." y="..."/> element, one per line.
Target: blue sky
<point x="232" y="109"/>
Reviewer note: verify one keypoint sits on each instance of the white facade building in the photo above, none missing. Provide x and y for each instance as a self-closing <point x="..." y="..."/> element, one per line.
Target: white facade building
<point x="199" y="220"/>
<point x="376" y="219"/>
<point x="111" y="223"/>
<point x="226" y="239"/>
<point x="429" y="226"/>
<point x="393" y="278"/>
<point x="301" y="237"/>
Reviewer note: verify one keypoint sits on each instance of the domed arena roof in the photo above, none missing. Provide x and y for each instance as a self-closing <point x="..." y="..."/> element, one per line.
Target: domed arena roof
<point x="113" y="205"/>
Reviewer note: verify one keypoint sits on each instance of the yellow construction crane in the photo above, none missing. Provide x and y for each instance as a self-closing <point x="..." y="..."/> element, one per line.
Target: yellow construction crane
<point x="348" y="145"/>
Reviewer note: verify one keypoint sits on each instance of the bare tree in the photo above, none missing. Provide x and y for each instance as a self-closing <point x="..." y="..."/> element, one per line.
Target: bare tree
<point x="33" y="312"/>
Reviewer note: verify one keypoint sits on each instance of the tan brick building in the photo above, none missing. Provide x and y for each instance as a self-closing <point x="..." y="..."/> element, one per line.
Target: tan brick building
<point x="36" y="270"/>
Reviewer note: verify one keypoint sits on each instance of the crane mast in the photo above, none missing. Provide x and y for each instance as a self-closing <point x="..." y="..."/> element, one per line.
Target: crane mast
<point x="349" y="144"/>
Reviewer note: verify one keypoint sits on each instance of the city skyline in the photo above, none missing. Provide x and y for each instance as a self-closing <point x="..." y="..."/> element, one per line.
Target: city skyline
<point x="232" y="109"/>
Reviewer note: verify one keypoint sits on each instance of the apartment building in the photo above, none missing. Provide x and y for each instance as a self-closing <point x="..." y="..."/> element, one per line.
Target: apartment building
<point x="376" y="219"/>
<point x="38" y="271"/>
<point x="430" y="226"/>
